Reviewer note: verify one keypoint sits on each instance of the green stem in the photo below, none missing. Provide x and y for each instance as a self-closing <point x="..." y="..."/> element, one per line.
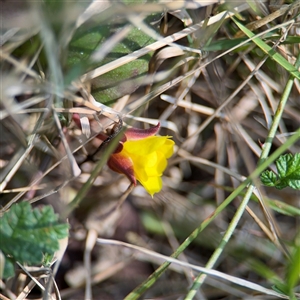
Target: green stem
<point x="136" y="293"/>
<point x="265" y="152"/>
<point x="263" y="164"/>
<point x="111" y="146"/>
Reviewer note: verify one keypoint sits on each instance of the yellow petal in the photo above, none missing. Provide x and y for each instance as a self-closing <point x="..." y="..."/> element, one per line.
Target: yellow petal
<point x="139" y="168"/>
<point x="152" y="185"/>
<point x="149" y="159"/>
<point x="168" y="148"/>
<point x="159" y="166"/>
<point x="148" y="145"/>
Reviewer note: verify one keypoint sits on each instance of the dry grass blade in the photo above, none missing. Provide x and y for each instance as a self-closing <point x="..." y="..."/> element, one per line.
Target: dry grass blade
<point x="218" y="274"/>
<point x="90" y="243"/>
<point x="74" y="166"/>
<point x="19" y="66"/>
<point x="15" y="109"/>
<point x="33" y="282"/>
<point x="157" y="45"/>
<point x="76" y="76"/>
<point x="11" y="172"/>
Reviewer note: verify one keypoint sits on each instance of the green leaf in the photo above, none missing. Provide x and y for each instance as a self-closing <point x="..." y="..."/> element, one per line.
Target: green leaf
<point x="293" y="274"/>
<point x="27" y="234"/>
<point x="268" y="178"/>
<point x="122" y="80"/>
<point x="262" y="269"/>
<point x="288" y="167"/>
<point x="9" y="268"/>
<point x="225" y="44"/>
<point x="268" y="50"/>
<point x="152" y="224"/>
<point x="283" y="208"/>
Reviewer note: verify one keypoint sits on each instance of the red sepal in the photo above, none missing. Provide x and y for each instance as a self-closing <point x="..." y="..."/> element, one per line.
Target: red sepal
<point x="138" y="134"/>
<point x="122" y="164"/>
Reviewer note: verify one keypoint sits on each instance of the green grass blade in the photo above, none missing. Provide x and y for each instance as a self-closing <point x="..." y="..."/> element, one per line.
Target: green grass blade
<point x="268" y="50"/>
<point x="144" y="286"/>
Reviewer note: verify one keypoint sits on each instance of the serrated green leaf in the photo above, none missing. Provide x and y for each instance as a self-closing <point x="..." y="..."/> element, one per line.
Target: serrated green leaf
<point x="283" y="164"/>
<point x="268" y="178"/>
<point x="294" y="184"/>
<point x="26" y="233"/>
<point x="288" y="167"/>
<point x="293" y="171"/>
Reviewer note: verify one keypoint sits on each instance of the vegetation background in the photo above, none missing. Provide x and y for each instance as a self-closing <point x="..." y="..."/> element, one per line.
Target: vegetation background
<point x="222" y="78"/>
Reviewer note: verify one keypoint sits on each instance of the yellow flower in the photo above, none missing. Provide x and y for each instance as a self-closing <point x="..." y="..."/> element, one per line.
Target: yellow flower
<point x="143" y="157"/>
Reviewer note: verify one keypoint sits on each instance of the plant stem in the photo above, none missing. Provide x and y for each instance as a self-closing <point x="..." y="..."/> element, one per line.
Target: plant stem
<point x="111" y="146"/>
<point x="265" y="152"/>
